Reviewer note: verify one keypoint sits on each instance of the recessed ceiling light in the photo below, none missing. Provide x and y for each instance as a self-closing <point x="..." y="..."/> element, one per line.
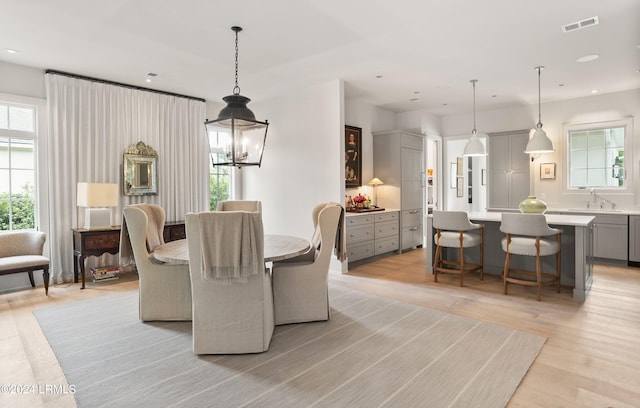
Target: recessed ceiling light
<point x="148" y="80"/>
<point x="414" y="99"/>
<point x="494" y="96"/>
<point x="416" y="92"/>
<point x="378" y="76"/>
<point x="560" y="85"/>
<point x="587" y="58"/>
<point x="11" y="50"/>
<point x="594" y="91"/>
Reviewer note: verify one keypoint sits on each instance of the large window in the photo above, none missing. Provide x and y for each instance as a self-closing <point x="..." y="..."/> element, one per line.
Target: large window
<point x="17" y="166"/>
<point x="219" y="178"/>
<point x="597" y="155"/>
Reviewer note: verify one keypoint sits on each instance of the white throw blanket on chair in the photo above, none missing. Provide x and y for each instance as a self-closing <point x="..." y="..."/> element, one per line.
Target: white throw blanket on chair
<point x="232" y="245"/>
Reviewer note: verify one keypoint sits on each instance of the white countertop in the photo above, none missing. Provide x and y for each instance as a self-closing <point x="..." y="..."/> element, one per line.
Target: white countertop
<point x="350" y="214"/>
<point x="555" y="219"/>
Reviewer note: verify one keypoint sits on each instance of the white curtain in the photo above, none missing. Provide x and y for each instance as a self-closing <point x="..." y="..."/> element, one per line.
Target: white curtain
<point x="90" y="126"/>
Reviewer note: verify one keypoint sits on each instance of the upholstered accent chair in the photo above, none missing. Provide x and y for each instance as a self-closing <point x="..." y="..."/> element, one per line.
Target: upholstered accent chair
<point x="22" y="251"/>
<point x="164" y="288"/>
<point x="239" y="205"/>
<point x="300" y="285"/>
<point x="454" y="230"/>
<point x="529" y="235"/>
<point x="231" y="314"/>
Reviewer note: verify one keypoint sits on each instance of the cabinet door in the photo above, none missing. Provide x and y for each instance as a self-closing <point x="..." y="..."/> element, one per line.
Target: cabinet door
<point x="610" y="241"/>
<point x="634" y="238"/>
<point x="508" y="182"/>
<point x="412" y="178"/>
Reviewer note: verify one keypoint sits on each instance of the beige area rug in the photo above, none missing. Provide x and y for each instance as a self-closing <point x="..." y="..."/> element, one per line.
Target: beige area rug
<point x="373" y="352"/>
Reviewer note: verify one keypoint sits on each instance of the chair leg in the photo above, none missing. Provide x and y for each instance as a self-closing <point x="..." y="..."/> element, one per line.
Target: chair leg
<point x="505" y="273"/>
<point x="45" y="278"/>
<point x="33" y="283"/>
<point x="538" y="277"/>
<point x="558" y="275"/>
<point x="436" y="263"/>
<point x="461" y="265"/>
<point x="481" y="253"/>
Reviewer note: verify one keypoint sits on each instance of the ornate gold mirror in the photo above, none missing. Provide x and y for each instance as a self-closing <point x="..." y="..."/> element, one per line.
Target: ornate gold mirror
<point x="140" y="175"/>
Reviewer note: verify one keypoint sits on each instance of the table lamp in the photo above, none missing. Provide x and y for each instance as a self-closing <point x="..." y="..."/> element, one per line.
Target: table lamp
<point x="98" y="198"/>
<point x="375" y="182"/>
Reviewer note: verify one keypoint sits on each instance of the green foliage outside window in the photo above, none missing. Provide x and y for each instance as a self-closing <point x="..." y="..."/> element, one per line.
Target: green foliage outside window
<point x="18" y="210"/>
<point x="218" y="189"/>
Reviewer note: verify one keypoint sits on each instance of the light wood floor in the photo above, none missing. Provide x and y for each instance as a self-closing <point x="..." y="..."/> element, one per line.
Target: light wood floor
<point x="591" y="357"/>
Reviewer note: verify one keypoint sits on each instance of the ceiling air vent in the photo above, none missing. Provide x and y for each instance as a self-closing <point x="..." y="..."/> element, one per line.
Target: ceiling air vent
<point x="587" y="22"/>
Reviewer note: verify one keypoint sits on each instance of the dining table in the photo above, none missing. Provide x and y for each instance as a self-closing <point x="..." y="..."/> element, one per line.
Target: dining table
<point x="277" y="247"/>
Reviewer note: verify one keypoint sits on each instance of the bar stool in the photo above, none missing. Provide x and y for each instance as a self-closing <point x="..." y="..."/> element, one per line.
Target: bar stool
<point x="453" y="230"/>
<point x="525" y="235"/>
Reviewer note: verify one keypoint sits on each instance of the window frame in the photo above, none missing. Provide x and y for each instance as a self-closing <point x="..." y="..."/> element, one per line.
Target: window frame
<point x="627" y="124"/>
<point x="27" y="135"/>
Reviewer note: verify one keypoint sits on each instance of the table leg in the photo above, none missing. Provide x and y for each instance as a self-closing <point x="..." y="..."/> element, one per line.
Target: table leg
<point x="81" y="260"/>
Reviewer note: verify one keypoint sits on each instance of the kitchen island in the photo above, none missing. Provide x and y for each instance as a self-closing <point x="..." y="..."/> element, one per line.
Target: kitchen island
<point x="576" y="251"/>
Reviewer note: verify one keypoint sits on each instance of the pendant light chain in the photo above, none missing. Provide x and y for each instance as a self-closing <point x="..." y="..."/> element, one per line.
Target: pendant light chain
<point x="539" y="104"/>
<point x="236" y="89"/>
<point x="473" y="81"/>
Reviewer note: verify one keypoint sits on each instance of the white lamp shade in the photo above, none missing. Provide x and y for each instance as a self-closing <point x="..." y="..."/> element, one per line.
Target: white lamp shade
<point x="474" y="147"/>
<point x="375" y="181"/>
<point x="97" y="195"/>
<point x="539" y="143"/>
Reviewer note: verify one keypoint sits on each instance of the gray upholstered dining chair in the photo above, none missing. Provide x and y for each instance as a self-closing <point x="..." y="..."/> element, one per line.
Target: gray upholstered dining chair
<point x="239" y="205"/>
<point x="300" y="285"/>
<point x="164" y="289"/>
<point x="231" y="287"/>
<point x="529" y="235"/>
<point x="454" y="230"/>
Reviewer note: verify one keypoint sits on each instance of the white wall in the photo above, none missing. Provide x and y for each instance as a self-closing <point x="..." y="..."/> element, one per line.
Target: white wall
<point x="22" y="80"/>
<point x="303" y="157"/>
<point x="595" y="108"/>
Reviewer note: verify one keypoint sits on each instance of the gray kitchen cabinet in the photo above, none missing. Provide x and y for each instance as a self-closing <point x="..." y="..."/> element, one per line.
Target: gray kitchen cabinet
<point x="610" y="239"/>
<point x="370" y="234"/>
<point x="508" y="169"/>
<point x="398" y="160"/>
<point x="634" y="240"/>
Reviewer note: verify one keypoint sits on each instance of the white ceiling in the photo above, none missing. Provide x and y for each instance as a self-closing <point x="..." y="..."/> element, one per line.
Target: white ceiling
<point x="425" y="49"/>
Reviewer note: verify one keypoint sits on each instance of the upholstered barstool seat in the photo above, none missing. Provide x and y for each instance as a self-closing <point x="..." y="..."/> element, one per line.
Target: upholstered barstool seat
<point x="529" y="235"/>
<point x="452" y="239"/>
<point x="453" y="230"/>
<point x="527" y="246"/>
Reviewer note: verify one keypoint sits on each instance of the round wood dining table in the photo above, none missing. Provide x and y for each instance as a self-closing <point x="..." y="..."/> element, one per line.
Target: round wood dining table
<point x="276" y="248"/>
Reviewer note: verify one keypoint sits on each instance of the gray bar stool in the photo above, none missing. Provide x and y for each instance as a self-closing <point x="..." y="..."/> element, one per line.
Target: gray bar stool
<point x="454" y="230"/>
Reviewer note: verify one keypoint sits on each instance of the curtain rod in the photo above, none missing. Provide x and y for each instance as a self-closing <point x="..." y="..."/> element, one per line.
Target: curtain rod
<point x="104" y="81"/>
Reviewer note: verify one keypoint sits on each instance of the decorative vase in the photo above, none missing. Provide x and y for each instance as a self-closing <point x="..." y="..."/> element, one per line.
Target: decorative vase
<point x="531" y="205"/>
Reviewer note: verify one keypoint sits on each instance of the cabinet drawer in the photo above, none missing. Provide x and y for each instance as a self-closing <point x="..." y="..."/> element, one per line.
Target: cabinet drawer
<point x="387" y="216"/>
<point x="610" y="219"/>
<point x="411" y="237"/>
<point x="359" y="220"/>
<point x="386" y="245"/>
<point x="359" y="233"/>
<point x="360" y="251"/>
<point x="386" y="229"/>
<point x="104" y="240"/>
<point x="411" y="218"/>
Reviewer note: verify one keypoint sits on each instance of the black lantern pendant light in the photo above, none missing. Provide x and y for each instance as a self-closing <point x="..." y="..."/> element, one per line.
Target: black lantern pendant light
<point x="236" y="138"/>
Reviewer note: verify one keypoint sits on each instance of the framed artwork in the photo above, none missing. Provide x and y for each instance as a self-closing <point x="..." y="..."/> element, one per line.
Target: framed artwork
<point x="460" y="187"/>
<point x="452" y="175"/>
<point x="352" y="156"/>
<point x="547" y="171"/>
<point x="459" y="169"/>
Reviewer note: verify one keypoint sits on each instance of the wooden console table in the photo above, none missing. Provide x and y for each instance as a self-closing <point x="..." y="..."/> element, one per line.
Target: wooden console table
<point x="95" y="242"/>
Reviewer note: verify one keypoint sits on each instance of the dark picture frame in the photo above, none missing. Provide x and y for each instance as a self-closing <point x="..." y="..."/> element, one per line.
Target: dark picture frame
<point x="352" y="156"/>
